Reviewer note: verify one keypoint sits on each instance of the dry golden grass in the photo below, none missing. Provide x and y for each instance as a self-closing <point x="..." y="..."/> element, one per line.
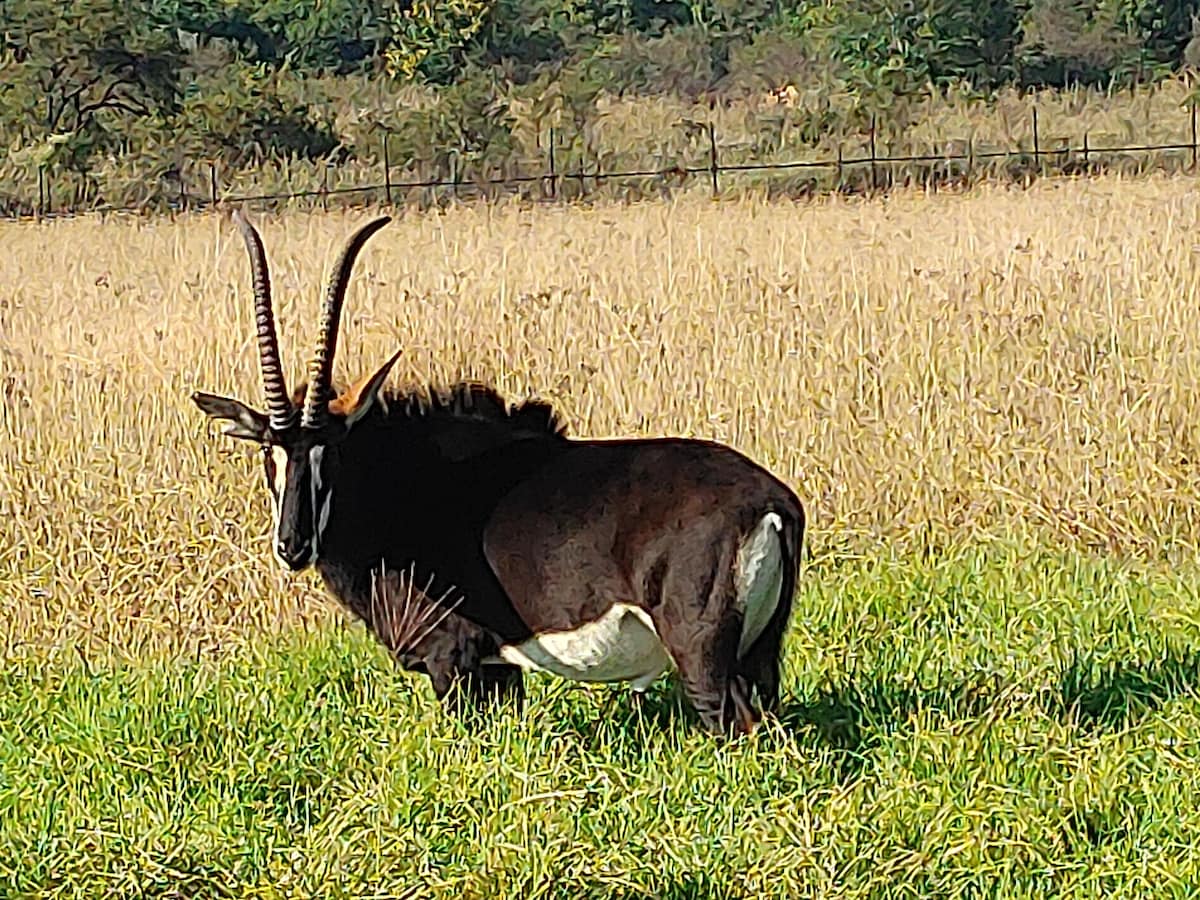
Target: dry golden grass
<point x="1150" y="114"/>
<point x="922" y="370"/>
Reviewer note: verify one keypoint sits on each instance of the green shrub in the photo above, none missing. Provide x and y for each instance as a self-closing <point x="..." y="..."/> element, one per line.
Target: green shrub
<point x="428" y="40"/>
<point x="74" y="77"/>
<point x="245" y="115"/>
<point x="331" y="34"/>
<point x="680" y="62"/>
<point x="902" y="45"/>
<point x="771" y="59"/>
<point x="1068" y="43"/>
<point x="465" y="130"/>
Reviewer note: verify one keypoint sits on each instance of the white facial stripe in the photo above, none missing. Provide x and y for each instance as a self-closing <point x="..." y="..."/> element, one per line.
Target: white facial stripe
<point x="315" y="455"/>
<point x="320" y="500"/>
<point x="279" y="458"/>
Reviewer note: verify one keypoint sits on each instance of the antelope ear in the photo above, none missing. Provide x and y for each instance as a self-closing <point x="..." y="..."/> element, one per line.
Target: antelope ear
<point x="245" y="423"/>
<point x="357" y="402"/>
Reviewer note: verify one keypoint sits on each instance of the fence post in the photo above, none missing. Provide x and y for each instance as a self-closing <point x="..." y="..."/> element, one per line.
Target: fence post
<point x="41" y="204"/>
<point x="183" y="200"/>
<point x="874" y="175"/>
<point x="840" y="174"/>
<point x="712" y="150"/>
<point x="387" y="169"/>
<point x="553" y="170"/>
<point x="325" y="188"/>
<point x="1085" y="151"/>
<point x="1193" y="135"/>
<point x="1037" y="145"/>
<point x="970" y="160"/>
<point x="212" y="184"/>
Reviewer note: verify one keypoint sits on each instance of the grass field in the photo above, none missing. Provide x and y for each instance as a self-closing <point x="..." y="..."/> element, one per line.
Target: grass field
<point x="986" y="402"/>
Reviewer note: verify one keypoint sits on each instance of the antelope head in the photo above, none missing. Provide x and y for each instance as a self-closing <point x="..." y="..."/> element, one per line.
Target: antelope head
<point x="299" y="438"/>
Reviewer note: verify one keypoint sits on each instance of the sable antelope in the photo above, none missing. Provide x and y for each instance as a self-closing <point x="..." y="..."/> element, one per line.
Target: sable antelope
<point x="598" y="560"/>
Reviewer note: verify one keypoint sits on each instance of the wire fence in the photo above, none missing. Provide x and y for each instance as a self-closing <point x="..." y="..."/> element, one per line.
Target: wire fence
<point x="870" y="171"/>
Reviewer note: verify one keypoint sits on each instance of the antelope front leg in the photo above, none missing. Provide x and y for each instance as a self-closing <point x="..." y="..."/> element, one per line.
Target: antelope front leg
<point x="480" y="689"/>
<point x="494" y="685"/>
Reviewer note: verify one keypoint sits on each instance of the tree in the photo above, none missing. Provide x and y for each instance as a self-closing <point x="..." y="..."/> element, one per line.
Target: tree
<point x="331" y="34"/>
<point x="428" y="40"/>
<point x="76" y="73"/>
<point x="898" y="46"/>
<point x="1164" y="27"/>
<point x="1067" y="42"/>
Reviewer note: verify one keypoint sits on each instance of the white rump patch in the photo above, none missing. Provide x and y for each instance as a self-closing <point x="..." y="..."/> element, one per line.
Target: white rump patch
<point x="621" y="645"/>
<point x="759" y="578"/>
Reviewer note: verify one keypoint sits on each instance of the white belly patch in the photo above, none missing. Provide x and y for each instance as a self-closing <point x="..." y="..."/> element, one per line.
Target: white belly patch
<point x="621" y="645"/>
<point x="759" y="578"/>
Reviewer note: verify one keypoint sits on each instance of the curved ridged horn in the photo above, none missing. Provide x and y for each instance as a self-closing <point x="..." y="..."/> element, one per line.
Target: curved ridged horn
<point x="280" y="411"/>
<point x="320" y="370"/>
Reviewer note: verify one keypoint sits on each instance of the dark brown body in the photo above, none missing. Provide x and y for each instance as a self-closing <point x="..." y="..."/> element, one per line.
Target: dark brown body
<point x="537" y="533"/>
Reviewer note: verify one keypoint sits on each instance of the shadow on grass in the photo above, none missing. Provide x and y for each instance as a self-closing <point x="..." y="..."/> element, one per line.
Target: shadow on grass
<point x="850" y="717"/>
<point x="854" y="716"/>
<point x="1107" y="694"/>
<point x="620" y="710"/>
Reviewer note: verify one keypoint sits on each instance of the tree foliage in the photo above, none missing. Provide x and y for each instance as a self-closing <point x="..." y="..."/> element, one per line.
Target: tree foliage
<point x="246" y="114"/>
<point x="241" y="81"/>
<point x="75" y="74"/>
<point x="336" y="35"/>
<point x="427" y="39"/>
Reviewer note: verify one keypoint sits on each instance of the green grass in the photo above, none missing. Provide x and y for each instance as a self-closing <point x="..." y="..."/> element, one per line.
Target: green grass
<point x="1002" y="722"/>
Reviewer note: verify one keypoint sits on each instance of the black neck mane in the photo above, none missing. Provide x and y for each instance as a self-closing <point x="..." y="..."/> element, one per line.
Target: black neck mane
<point x="461" y="421"/>
<point x="472" y="401"/>
<point x="465" y="401"/>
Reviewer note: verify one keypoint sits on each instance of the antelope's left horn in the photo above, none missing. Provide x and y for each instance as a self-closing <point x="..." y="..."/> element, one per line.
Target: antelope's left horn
<point x="320" y="370"/>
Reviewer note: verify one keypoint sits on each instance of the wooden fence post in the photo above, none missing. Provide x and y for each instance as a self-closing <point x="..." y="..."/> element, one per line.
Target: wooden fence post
<point x="387" y="169"/>
<point x="713" y="166"/>
<point x="874" y="171"/>
<point x="1037" y="145"/>
<point x="1193" y="135"/>
<point x="553" y="169"/>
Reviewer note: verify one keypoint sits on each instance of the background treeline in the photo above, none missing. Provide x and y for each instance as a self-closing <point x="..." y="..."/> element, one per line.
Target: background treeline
<point x="119" y="100"/>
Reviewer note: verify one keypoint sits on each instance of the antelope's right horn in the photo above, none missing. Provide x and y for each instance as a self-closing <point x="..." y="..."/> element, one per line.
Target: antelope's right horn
<point x="280" y="411"/>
